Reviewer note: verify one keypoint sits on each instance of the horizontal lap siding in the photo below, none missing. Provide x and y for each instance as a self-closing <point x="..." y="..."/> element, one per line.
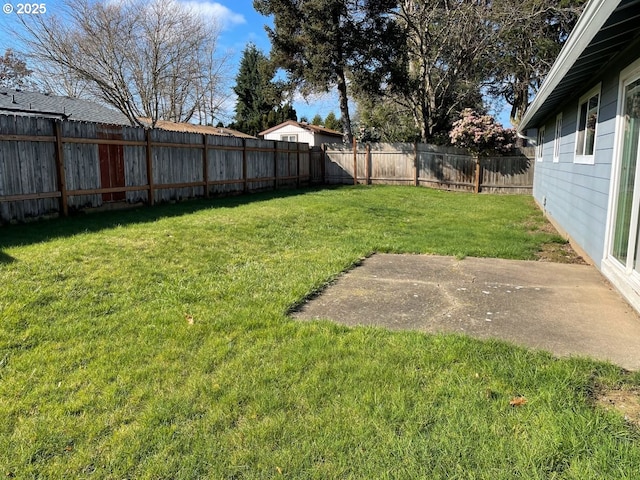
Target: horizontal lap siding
<point x="576" y="196"/>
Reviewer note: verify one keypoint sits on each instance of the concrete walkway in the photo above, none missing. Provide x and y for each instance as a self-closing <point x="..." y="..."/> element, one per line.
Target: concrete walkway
<point x="564" y="309"/>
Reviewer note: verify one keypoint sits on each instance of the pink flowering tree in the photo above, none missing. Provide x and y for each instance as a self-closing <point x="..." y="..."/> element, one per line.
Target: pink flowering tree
<point x="480" y="134"/>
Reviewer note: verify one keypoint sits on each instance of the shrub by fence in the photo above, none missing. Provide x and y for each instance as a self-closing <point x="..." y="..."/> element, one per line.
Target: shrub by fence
<point x="51" y="167"/>
<point x="428" y="165"/>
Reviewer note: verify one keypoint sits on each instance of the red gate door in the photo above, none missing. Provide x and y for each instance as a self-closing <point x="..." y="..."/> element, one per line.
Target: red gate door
<point x="111" y="163"/>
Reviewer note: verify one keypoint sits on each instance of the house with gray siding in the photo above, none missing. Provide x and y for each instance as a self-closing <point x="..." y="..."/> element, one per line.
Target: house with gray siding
<point x="585" y="122"/>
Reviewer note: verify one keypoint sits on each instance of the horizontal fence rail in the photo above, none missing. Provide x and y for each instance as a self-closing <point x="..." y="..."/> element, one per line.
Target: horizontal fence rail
<point x="51" y="167"/>
<point x="428" y="165"/>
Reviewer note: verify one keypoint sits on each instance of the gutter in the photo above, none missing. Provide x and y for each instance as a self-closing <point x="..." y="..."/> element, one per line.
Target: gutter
<point x="589" y="24"/>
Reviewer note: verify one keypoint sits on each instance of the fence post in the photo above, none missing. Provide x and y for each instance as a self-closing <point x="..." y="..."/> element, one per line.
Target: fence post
<point x="275" y="163"/>
<point x="245" y="182"/>
<point x="355" y="161"/>
<point x="298" y="164"/>
<point x="323" y="166"/>
<point x="149" y="155"/>
<point x="62" y="179"/>
<point x="416" y="174"/>
<point x="367" y="164"/>
<point x="205" y="165"/>
<point x="476" y="188"/>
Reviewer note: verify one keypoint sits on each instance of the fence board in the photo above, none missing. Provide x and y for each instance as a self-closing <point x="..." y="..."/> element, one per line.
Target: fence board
<point x="428" y="165"/>
<point x="225" y="164"/>
<point x="135" y="164"/>
<point x="96" y="156"/>
<point x="30" y="185"/>
<point x="25" y="169"/>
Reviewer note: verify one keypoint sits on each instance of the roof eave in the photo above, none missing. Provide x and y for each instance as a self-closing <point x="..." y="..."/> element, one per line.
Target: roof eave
<point x="589" y="24"/>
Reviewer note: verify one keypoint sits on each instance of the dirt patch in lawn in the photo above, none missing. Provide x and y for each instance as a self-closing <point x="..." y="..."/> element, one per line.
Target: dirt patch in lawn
<point x="625" y="401"/>
<point x="559" y="253"/>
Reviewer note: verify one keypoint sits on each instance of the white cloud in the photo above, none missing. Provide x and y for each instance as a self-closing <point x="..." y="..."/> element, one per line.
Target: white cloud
<point x="225" y="17"/>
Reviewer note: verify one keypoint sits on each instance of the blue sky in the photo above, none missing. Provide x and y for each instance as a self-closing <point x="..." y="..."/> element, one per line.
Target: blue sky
<point x="240" y="25"/>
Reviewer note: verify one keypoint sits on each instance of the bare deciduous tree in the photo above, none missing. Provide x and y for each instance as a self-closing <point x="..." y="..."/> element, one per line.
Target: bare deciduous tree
<point x="13" y="71"/>
<point x="147" y="59"/>
<point x="448" y="45"/>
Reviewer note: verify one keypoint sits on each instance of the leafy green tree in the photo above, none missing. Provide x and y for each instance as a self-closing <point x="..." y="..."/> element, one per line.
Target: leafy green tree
<point x="530" y="34"/>
<point x="259" y="98"/>
<point x="321" y="42"/>
<point x="317" y="120"/>
<point x="388" y="118"/>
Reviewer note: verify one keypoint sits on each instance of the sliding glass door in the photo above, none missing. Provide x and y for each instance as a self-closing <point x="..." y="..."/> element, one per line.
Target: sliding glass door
<point x="625" y="235"/>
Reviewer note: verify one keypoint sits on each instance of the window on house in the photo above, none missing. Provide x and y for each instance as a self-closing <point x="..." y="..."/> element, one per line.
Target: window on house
<point x="556" y="138"/>
<point x="540" y="144"/>
<point x="289" y="138"/>
<point x="587" y="122"/>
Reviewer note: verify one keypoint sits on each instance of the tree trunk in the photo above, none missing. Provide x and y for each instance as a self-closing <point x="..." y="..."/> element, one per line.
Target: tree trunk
<point x="344" y="108"/>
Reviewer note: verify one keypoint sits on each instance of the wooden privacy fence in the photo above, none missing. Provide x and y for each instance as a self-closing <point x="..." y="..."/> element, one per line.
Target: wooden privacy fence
<point x="51" y="167"/>
<point x="428" y="165"/>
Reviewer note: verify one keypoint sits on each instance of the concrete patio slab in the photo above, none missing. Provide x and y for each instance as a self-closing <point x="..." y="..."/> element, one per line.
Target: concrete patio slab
<point x="564" y="309"/>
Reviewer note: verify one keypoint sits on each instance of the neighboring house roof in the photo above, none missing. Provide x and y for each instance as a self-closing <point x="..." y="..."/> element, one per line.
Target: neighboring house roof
<point x="306" y="126"/>
<point x="604" y="29"/>
<point x="18" y="102"/>
<point x="190" y="127"/>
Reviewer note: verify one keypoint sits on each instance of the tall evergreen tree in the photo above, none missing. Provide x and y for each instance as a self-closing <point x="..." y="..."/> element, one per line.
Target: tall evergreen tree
<point x="332" y="122"/>
<point x="529" y="36"/>
<point x="253" y="91"/>
<point x="320" y="43"/>
<point x="258" y="96"/>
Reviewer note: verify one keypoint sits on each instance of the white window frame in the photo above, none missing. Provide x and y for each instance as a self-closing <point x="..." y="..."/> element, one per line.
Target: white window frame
<point x="540" y="144"/>
<point x="580" y="157"/>
<point x="289" y="137"/>
<point x="616" y="272"/>
<point x="557" y="137"/>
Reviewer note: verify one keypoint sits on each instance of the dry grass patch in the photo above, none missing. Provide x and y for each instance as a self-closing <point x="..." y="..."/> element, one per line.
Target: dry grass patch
<point x="625" y="401"/>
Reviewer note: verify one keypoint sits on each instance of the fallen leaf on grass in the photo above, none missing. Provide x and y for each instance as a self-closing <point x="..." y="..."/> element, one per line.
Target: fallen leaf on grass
<point x="518" y="401"/>
<point x="189" y="318"/>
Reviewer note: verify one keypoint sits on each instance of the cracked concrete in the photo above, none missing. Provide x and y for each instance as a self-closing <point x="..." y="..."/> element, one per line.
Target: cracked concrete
<point x="564" y="309"/>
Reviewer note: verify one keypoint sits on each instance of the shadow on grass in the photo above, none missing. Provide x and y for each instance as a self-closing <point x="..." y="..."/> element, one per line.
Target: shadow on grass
<point x="4" y="258"/>
<point x="40" y="231"/>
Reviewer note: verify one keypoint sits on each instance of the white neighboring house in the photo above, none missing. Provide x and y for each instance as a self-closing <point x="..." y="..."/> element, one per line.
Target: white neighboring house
<point x="292" y="131"/>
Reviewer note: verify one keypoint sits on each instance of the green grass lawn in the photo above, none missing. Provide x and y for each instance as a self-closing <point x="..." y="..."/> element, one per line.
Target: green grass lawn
<point x="155" y="343"/>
